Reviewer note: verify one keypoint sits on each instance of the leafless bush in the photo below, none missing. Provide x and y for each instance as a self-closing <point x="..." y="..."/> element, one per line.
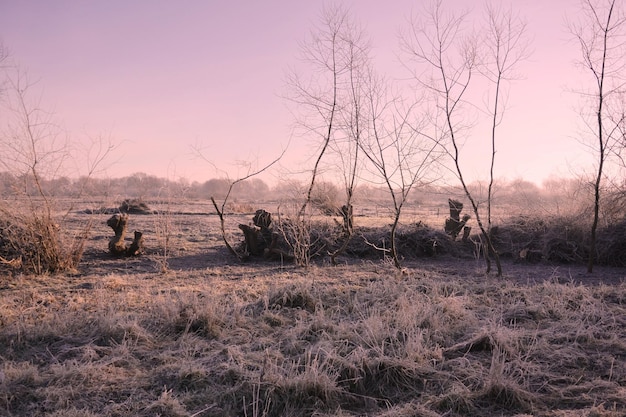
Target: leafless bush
<point x="614" y="206"/>
<point x="325" y="198"/>
<point x="35" y="235"/>
<point x="134" y="206"/>
<point x="559" y="239"/>
<point x="31" y="240"/>
<point x="611" y="244"/>
<point x="298" y="231"/>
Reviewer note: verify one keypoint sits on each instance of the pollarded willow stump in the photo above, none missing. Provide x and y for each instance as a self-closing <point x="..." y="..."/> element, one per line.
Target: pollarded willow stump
<point x="117" y="245"/>
<point x="455" y="224"/>
<point x="261" y="239"/>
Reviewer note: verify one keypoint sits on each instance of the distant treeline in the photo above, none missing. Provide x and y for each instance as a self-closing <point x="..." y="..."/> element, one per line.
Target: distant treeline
<point x="558" y="195"/>
<point x="138" y="185"/>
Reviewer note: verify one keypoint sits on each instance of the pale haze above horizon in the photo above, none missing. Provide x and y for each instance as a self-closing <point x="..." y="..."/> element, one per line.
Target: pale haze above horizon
<point x="164" y="78"/>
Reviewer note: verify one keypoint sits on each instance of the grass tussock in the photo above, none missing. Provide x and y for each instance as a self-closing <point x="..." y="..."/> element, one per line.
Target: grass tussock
<point x="35" y="240"/>
<point x="345" y="341"/>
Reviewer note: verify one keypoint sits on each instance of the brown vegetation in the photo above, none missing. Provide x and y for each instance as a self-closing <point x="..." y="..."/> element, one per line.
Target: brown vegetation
<point x="212" y="336"/>
<point x="33" y="240"/>
<point x="347" y="340"/>
<point x="134" y="206"/>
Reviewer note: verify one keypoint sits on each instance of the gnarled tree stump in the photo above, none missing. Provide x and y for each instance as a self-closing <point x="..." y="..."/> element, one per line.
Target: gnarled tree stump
<point x="261" y="239"/>
<point x="117" y="245"/>
<point x="454" y="224"/>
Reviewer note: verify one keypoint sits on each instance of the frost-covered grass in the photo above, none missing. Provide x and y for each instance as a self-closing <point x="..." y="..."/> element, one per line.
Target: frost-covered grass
<point x="269" y="340"/>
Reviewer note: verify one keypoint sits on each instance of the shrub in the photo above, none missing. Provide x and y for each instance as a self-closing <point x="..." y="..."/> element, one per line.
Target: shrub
<point x="325" y="198"/>
<point x="32" y="240"/>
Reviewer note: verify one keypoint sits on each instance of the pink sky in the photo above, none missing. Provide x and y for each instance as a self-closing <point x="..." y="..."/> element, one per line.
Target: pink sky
<point x="160" y="77"/>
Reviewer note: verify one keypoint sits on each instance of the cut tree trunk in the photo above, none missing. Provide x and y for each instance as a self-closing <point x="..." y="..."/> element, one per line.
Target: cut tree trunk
<point x="117" y="245"/>
<point x="261" y="239"/>
<point x="454" y="224"/>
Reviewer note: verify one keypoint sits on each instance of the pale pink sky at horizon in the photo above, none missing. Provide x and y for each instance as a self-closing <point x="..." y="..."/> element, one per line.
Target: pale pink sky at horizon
<point x="160" y="77"/>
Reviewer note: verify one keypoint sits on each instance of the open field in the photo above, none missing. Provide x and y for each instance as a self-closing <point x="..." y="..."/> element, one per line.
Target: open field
<point x="187" y="330"/>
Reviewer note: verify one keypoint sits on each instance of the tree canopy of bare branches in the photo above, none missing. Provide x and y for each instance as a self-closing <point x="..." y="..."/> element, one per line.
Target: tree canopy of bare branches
<point x="600" y="32"/>
<point x="447" y="59"/>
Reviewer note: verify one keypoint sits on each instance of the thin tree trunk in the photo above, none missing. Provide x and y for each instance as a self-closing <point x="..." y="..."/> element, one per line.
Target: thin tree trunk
<point x="393" y="248"/>
<point x="597" y="186"/>
<point x="601" y="143"/>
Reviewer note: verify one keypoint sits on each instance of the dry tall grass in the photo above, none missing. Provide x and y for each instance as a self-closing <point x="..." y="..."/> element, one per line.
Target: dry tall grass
<point x="351" y="340"/>
<point x="34" y="237"/>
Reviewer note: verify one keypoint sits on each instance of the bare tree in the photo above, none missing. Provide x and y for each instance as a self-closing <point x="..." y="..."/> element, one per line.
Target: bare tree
<point x="346" y="144"/>
<point x="251" y="171"/>
<point x="451" y="59"/>
<point x="504" y="46"/>
<point x="35" y="149"/>
<point x="400" y="157"/>
<point x="34" y="146"/>
<point x="600" y="34"/>
<point x="4" y="55"/>
<point x="328" y="59"/>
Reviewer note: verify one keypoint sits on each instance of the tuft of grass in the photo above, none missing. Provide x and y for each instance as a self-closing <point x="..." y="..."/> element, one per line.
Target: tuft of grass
<point x="34" y="240"/>
<point x="294" y="296"/>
